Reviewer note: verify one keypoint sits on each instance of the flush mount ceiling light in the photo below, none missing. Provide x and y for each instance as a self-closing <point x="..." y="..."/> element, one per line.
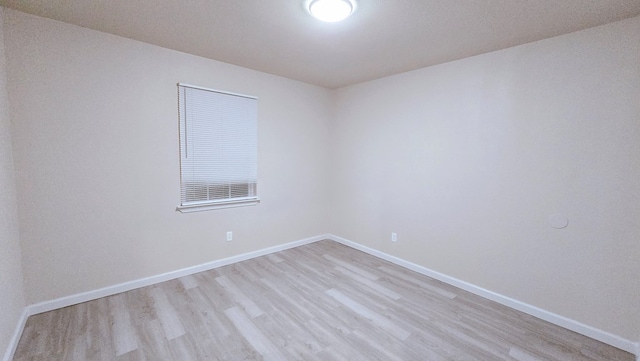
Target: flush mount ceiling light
<point x="331" y="10"/>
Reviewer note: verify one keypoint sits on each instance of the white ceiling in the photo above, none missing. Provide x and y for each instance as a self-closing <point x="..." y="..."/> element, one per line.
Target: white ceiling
<point x="383" y="37"/>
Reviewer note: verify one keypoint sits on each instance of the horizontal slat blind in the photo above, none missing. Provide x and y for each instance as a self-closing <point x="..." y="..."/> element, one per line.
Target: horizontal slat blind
<point x="218" y="146"/>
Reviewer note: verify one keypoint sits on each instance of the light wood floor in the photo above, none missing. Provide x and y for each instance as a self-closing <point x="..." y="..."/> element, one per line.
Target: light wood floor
<point x="322" y="301"/>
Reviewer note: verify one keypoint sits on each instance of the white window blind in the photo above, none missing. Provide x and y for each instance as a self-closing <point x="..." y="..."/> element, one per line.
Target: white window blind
<point x="218" y="149"/>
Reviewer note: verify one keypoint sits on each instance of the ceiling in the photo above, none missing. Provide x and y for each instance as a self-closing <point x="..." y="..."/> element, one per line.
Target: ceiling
<point x="383" y="37"/>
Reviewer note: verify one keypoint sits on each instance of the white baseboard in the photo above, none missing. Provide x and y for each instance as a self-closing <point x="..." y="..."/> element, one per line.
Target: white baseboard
<point x="561" y="321"/>
<point x="143" y="282"/>
<point x="13" y="343"/>
<point x="551" y="317"/>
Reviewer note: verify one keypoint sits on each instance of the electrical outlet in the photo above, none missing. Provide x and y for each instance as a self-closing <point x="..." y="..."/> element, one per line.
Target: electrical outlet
<point x="229" y="236"/>
<point x="394" y="237"/>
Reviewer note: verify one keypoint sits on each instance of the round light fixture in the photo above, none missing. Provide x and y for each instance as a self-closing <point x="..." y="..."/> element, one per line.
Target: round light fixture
<point x="331" y="10"/>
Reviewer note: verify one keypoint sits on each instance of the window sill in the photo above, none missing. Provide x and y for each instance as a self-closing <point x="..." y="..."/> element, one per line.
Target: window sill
<point x="199" y="207"/>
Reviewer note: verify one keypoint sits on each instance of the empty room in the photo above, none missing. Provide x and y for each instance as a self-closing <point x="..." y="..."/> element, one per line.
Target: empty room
<point x="319" y="180"/>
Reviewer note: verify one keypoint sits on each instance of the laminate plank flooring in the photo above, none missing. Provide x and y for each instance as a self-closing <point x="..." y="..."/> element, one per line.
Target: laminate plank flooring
<point x="322" y="301"/>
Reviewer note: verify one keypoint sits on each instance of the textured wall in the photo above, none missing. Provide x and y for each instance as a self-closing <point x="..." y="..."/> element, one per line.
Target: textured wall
<point x="467" y="161"/>
<point x="11" y="286"/>
<point x="96" y="153"/>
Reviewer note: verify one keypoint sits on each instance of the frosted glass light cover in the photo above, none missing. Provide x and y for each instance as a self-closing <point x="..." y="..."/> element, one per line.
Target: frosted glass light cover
<point x="331" y="10"/>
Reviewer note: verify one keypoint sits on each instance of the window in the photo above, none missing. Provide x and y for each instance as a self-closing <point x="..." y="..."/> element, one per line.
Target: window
<point x="218" y="149"/>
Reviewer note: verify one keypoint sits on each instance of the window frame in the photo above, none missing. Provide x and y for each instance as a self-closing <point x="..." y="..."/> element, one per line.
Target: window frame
<point x="210" y="204"/>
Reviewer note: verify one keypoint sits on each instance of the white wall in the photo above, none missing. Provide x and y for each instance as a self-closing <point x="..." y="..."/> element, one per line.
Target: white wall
<point x="467" y="160"/>
<point x="96" y="153"/>
<point x="11" y="287"/>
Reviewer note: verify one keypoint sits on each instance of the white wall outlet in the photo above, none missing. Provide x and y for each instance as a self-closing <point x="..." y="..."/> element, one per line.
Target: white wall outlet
<point x="394" y="237"/>
<point x="229" y="236"/>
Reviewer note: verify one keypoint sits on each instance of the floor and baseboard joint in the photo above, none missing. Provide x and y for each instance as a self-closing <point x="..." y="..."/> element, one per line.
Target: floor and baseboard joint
<point x="558" y="320"/>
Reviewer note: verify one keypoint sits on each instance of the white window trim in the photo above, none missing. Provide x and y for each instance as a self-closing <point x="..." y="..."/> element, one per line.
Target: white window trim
<point x="209" y="205"/>
<point x="225" y="203"/>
